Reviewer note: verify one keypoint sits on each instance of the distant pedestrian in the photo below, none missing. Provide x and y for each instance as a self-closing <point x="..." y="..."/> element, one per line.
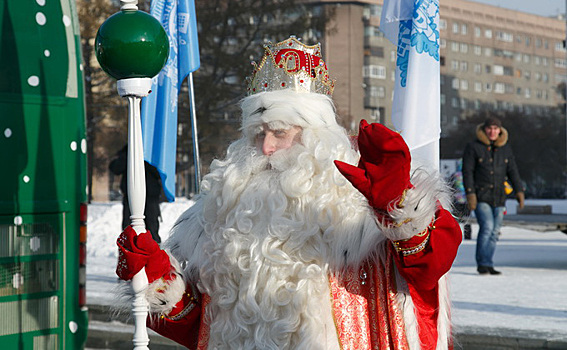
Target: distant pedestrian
<point x="461" y="208"/>
<point x="488" y="162"/>
<point x="152" y="212"/>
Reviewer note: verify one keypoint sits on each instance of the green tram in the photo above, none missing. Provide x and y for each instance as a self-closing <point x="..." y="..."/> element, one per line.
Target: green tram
<point x="43" y="177"/>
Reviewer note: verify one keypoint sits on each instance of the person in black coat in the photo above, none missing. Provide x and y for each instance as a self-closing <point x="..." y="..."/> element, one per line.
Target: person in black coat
<point x="488" y="162"/>
<point x="152" y="212"/>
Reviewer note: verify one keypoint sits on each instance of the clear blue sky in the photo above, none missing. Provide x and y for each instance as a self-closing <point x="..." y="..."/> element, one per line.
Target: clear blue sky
<point x="537" y="7"/>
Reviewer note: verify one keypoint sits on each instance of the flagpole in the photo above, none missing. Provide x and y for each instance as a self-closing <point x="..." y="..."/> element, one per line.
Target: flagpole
<point x="196" y="157"/>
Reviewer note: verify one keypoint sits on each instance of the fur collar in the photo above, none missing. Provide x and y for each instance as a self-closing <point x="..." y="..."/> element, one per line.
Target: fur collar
<point x="482" y="137"/>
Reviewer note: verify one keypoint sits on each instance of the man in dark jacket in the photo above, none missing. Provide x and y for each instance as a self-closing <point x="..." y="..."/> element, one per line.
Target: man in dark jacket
<point x="487" y="163"/>
<point x="152" y="212"/>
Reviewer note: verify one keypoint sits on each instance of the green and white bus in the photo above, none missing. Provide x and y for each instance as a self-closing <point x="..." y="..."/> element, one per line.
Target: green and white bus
<point x="43" y="177"/>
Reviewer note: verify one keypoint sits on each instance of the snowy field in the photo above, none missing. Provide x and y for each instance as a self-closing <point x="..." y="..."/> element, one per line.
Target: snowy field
<point x="529" y="298"/>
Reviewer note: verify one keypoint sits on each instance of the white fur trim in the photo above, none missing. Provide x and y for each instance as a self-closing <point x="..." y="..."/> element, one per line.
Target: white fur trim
<point x="444" y="317"/>
<point x="405" y="301"/>
<point x="163" y="295"/>
<point x="419" y="206"/>
<point x="307" y="110"/>
<point x="186" y="240"/>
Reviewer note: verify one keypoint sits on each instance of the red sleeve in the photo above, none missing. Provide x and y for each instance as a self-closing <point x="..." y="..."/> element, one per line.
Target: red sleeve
<point x="423" y="268"/>
<point x="182" y="323"/>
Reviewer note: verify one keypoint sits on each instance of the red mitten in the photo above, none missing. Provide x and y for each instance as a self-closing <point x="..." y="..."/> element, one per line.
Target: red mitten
<point x="137" y="251"/>
<point x="383" y="172"/>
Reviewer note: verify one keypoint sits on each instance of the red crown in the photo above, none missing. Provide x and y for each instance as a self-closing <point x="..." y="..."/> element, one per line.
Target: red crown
<point x="290" y="64"/>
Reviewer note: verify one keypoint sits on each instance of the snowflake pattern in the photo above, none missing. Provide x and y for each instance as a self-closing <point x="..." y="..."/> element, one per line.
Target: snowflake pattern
<point x="421" y="32"/>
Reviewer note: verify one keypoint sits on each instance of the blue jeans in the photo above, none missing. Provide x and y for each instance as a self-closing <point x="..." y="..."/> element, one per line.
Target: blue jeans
<point x="489" y="222"/>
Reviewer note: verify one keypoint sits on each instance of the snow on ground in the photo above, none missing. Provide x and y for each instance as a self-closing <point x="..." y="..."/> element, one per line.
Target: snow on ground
<point x="529" y="298"/>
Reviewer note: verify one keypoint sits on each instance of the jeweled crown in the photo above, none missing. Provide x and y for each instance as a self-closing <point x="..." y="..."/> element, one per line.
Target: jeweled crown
<point x="290" y="64"/>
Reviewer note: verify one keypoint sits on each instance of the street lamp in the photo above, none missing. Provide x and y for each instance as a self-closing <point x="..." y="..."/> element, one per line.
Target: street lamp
<point x="132" y="47"/>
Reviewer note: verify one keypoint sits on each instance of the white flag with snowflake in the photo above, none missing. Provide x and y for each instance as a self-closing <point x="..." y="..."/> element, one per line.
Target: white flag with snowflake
<point x="413" y="26"/>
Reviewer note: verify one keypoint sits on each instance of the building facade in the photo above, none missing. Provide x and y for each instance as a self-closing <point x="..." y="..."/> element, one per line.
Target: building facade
<point x="491" y="59"/>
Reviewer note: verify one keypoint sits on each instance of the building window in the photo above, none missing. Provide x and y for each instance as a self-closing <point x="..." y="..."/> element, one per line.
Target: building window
<point x="537" y="60"/>
<point x="454" y="46"/>
<point x="455" y="102"/>
<point x="375" y="10"/>
<point x="478" y="86"/>
<point x="526" y="58"/>
<point x="442" y="96"/>
<point x="487" y="69"/>
<point x="487" y="51"/>
<point x="455" y="120"/>
<point x="455" y="83"/>
<point x="545" y="77"/>
<point x="478" y="68"/>
<point x="442" y="24"/>
<point x="559" y="46"/>
<point x="464" y="48"/>
<point x="499" y="88"/>
<point x="498" y="70"/>
<point x="373" y="91"/>
<point x="504" y="36"/>
<point x="464" y="66"/>
<point x="518" y="91"/>
<point x="537" y="76"/>
<point x="464" y="29"/>
<point x="442" y="43"/>
<point x="476" y="104"/>
<point x="464" y="85"/>
<point x="377" y="92"/>
<point x="488" y="87"/>
<point x="560" y="63"/>
<point x="374" y="71"/>
<point x="454" y="65"/>
<point x="544" y="61"/>
<point x="455" y="28"/>
<point x="477" y="32"/>
<point x="538" y="42"/>
<point x="527" y="74"/>
<point x="528" y="40"/>
<point x="488" y="34"/>
<point x="477" y="50"/>
<point x="527" y="93"/>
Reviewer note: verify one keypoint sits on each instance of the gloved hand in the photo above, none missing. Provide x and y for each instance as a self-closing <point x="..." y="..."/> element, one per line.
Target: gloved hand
<point x="520" y="196"/>
<point x="383" y="172"/>
<point x="137" y="251"/>
<point x="471" y="200"/>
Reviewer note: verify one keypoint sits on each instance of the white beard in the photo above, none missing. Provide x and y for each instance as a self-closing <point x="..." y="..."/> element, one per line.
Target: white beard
<point x="268" y="223"/>
<point x="265" y="270"/>
<point x="272" y="229"/>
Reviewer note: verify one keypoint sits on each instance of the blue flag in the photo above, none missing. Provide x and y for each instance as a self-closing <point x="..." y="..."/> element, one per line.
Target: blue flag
<point x="413" y="26"/>
<point x="159" y="108"/>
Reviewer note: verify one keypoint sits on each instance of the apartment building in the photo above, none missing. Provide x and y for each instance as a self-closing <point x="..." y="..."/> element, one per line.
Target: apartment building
<point x="491" y="58"/>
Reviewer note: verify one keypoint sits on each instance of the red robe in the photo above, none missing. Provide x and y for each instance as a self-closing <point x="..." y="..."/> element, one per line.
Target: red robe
<point x="366" y="302"/>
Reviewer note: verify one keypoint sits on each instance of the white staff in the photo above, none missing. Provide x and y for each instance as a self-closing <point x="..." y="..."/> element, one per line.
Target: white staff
<point x="132" y="47"/>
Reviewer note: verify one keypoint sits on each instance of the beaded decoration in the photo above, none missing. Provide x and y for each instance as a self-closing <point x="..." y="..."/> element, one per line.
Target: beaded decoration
<point x="290" y="64"/>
